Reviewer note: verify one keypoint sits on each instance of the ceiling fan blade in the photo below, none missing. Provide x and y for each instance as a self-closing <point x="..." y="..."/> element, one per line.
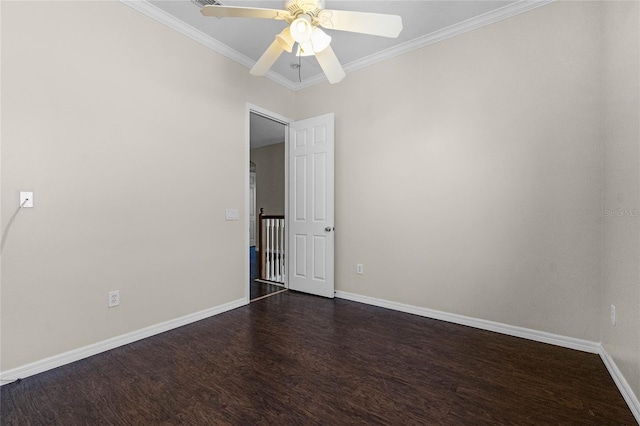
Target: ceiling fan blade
<point x="243" y="12"/>
<point x="268" y="58"/>
<point x="361" y="22"/>
<point x="330" y="65"/>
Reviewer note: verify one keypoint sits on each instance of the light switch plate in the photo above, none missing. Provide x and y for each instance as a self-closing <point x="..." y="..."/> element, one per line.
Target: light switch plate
<point x="231" y="214"/>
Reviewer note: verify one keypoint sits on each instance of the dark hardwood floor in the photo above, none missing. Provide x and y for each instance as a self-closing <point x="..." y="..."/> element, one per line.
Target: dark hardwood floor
<point x="298" y="359"/>
<point x="258" y="289"/>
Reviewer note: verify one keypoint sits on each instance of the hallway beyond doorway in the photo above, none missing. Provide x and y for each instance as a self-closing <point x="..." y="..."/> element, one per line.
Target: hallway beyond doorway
<point x="259" y="290"/>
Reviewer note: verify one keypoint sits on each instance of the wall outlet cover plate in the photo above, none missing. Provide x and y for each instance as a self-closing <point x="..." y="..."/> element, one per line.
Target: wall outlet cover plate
<point x="26" y="199"/>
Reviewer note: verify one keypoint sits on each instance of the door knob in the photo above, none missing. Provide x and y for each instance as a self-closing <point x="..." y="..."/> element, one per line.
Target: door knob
<point x="328" y="229"/>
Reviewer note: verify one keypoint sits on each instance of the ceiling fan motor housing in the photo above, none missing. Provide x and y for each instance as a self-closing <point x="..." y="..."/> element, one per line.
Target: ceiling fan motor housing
<point x="309" y="7"/>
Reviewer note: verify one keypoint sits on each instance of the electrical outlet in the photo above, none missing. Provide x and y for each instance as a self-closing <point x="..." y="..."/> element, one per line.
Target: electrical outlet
<point x="359" y="269"/>
<point x="114" y="298"/>
<point x="613" y="315"/>
<point x="26" y="199"/>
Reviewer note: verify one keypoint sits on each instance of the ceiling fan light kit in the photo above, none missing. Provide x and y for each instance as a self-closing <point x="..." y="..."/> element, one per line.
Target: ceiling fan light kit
<point x="301" y="28"/>
<point x="305" y="49"/>
<point x="285" y="40"/>
<point x="319" y="40"/>
<point x="304" y="17"/>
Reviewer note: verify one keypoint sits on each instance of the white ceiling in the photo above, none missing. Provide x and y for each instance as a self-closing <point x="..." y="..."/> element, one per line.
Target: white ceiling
<point x="244" y="40"/>
<point x="264" y="131"/>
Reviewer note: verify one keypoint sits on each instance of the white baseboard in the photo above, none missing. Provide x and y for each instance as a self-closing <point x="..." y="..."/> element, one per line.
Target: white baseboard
<point x="539" y="336"/>
<point x="511" y="330"/>
<point x="96" y="348"/>
<point x="623" y="386"/>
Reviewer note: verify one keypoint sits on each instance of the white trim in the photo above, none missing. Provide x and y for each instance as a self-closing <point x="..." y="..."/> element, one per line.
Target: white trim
<point x="568" y="342"/>
<point x="277" y="284"/>
<point x="96" y="348"/>
<point x="247" y="205"/>
<point x="171" y="21"/>
<point x="154" y="12"/>
<point x="627" y="393"/>
<point x="513" y="9"/>
<point x="471" y="24"/>
<point x="269" y="114"/>
<point x="269" y="295"/>
<point x="511" y="330"/>
<point x="526" y="333"/>
<point x="251" y="108"/>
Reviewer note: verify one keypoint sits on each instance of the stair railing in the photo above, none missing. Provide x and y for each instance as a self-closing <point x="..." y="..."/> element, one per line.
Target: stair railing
<point x="271" y="237"/>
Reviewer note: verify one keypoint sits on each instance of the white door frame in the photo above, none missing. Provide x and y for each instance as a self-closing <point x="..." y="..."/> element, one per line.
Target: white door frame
<point x="286" y="121"/>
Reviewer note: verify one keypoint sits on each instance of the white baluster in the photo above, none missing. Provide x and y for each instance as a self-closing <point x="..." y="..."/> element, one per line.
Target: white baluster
<point x="266" y="249"/>
<point x="277" y="230"/>
<point x="281" y="258"/>
<point x="274" y="237"/>
<point x="273" y="266"/>
<point x="275" y="250"/>
<point x="269" y="248"/>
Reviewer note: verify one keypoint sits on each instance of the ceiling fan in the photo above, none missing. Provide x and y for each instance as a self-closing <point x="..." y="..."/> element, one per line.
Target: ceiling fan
<point x="304" y="17"/>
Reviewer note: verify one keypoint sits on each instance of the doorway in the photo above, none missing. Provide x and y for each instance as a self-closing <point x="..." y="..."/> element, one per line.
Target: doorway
<point x="307" y="240"/>
<point x="268" y="134"/>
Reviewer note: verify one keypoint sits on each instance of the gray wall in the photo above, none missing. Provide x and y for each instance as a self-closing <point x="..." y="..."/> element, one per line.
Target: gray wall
<point x="469" y="173"/>
<point x="496" y="175"/>
<point x="621" y="202"/>
<point x="270" y="183"/>
<point x="132" y="137"/>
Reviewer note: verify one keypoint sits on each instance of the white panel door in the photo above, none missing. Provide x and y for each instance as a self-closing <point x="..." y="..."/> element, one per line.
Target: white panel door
<point x="311" y="205"/>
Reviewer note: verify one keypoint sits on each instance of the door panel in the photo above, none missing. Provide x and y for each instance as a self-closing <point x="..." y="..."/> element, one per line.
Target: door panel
<point x="311" y="205"/>
<point x="300" y="256"/>
<point x="320" y="187"/>
<point x="320" y="254"/>
<point x="300" y="185"/>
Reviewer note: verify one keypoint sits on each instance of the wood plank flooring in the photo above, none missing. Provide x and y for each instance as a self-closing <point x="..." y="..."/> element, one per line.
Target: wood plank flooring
<point x="259" y="289"/>
<point x="294" y="359"/>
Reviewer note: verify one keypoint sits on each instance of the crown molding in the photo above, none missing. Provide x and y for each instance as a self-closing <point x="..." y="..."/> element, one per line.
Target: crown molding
<point x="172" y="22"/>
<point x="474" y="23"/>
<point x="154" y="12"/>
<point x="522" y="6"/>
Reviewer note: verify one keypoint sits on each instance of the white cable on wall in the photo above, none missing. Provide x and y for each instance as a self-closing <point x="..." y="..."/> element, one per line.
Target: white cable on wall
<point x="5" y="235"/>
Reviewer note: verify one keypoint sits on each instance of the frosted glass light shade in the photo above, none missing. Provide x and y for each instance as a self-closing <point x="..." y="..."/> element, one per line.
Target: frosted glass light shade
<point x="319" y="40"/>
<point x="301" y="28"/>
<point x="305" y="48"/>
<point x="285" y="40"/>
